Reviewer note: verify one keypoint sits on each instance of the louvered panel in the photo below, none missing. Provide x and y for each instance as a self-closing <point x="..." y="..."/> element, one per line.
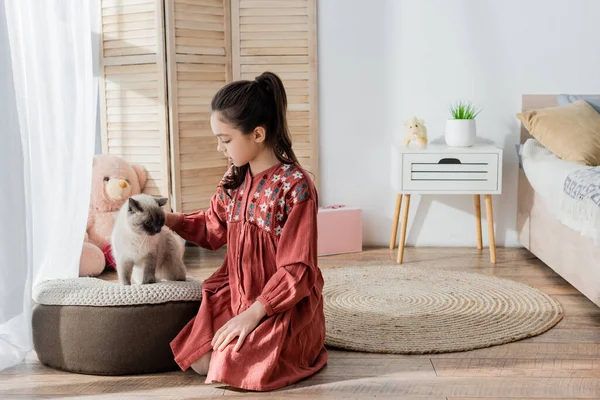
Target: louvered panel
<point x="280" y="36"/>
<point x="298" y="118"/>
<point x="197" y="161"/>
<point x="200" y="127"/>
<point x="121" y="3"/>
<point x="130" y="102"/>
<point x="149" y="141"/>
<point x="196" y="189"/>
<point x="113" y="30"/>
<point x="135" y="150"/>
<point x="285" y="71"/>
<point x="192" y="177"/>
<point x="119" y="136"/>
<point x="132" y="34"/>
<point x="270" y="4"/>
<point x="198" y="8"/>
<point x="199" y="66"/>
<point x="129" y="27"/>
<point x="120" y="18"/>
<point x="198" y="145"/>
<point x="134" y="124"/>
<point x="201" y="3"/>
<point x="274" y="19"/>
<point x="126" y="7"/>
<point x="281" y="12"/>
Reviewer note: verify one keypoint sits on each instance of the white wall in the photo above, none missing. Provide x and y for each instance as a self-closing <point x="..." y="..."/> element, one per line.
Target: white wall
<point x="381" y="62"/>
<point x="353" y="64"/>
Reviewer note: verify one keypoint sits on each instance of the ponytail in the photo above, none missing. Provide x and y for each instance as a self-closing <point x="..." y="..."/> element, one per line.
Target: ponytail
<point x="281" y="140"/>
<point x="248" y="104"/>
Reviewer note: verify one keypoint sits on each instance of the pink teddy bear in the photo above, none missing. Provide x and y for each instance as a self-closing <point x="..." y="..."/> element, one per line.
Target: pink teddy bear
<point x="114" y="180"/>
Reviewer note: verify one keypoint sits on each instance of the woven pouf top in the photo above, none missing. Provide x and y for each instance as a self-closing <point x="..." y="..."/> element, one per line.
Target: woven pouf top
<point x="101" y="293"/>
<point x="406" y="310"/>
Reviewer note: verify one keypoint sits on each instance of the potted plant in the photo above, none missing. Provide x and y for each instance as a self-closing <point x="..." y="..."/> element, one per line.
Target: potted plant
<point x="460" y="129"/>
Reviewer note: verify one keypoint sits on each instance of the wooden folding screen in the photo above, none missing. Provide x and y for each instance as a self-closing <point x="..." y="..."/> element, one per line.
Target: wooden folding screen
<point x="133" y="88"/>
<point x="199" y="64"/>
<point x="163" y="60"/>
<point x="281" y="36"/>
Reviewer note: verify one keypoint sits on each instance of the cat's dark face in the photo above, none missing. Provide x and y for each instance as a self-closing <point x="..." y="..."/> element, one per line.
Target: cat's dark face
<point x="145" y="214"/>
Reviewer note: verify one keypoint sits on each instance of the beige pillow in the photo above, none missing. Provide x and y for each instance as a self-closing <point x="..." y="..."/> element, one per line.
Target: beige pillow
<point x="572" y="131"/>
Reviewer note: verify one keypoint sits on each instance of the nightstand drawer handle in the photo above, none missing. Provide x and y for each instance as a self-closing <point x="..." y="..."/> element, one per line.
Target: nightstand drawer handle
<point x="449" y="161"/>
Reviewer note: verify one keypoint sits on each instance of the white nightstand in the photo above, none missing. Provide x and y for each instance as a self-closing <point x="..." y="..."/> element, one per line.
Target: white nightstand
<point x="440" y="169"/>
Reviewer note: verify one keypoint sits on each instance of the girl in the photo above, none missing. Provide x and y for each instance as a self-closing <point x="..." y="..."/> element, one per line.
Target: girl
<point x="261" y="324"/>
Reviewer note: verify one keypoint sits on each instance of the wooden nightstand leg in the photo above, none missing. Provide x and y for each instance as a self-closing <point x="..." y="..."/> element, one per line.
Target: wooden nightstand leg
<point x="403" y="229"/>
<point x="490" y="220"/>
<point x="396" y="218"/>
<point x="478" y="217"/>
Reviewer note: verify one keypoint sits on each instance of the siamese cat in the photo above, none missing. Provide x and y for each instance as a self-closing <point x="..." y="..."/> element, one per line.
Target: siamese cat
<point x="139" y="238"/>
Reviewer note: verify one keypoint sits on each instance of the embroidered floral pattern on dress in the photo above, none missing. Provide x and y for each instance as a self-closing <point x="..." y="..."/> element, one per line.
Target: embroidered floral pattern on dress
<point x="234" y="204"/>
<point x="270" y="202"/>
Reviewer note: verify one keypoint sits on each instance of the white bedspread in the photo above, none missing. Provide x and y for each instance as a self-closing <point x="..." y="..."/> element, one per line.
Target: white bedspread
<point x="547" y="175"/>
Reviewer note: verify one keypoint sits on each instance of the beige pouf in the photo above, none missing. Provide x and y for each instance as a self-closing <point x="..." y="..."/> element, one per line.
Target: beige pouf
<point x="92" y="326"/>
<point x="407" y="310"/>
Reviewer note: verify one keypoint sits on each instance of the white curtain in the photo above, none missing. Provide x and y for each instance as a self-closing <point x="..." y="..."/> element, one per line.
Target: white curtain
<point x="46" y="151"/>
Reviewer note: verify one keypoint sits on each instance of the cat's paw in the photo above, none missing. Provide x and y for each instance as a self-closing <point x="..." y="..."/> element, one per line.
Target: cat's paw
<point x="146" y="281"/>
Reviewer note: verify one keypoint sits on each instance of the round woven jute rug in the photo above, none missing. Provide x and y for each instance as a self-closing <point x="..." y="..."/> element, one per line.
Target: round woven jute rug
<point x="406" y="310"/>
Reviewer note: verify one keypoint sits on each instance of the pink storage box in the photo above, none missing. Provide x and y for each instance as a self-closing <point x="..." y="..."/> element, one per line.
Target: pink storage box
<point x="340" y="230"/>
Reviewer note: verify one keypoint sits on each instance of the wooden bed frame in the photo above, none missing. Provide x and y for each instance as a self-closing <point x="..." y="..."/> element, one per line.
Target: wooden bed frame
<point x="571" y="255"/>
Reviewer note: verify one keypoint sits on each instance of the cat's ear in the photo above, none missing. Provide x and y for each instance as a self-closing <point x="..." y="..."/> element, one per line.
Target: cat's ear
<point x="134" y="205"/>
<point x="161" y="201"/>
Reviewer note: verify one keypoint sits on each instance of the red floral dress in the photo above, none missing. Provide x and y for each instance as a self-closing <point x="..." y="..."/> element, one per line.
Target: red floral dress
<point x="270" y="227"/>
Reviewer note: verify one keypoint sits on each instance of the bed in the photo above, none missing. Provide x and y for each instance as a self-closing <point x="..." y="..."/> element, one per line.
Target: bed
<point x="568" y="249"/>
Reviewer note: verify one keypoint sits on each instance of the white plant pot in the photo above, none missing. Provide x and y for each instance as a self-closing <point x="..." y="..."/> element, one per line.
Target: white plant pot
<point x="460" y="132"/>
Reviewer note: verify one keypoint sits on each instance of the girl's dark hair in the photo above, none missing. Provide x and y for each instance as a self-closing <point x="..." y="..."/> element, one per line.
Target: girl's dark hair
<point x="248" y="104"/>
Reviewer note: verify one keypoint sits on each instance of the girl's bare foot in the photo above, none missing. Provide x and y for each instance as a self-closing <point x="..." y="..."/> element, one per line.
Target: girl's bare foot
<point x="201" y="366"/>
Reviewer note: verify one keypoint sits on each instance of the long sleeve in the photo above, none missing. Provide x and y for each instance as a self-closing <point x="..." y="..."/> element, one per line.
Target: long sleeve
<point x="296" y="260"/>
<point x="208" y="228"/>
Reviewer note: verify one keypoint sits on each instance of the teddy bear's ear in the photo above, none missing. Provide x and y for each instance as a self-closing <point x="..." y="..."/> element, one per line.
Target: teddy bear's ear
<point x="161" y="201"/>
<point x="142" y="174"/>
<point x="96" y="159"/>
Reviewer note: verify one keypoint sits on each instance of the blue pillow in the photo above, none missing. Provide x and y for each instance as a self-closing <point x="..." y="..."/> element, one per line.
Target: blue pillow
<point x="564" y="99"/>
<point x="519" y="147"/>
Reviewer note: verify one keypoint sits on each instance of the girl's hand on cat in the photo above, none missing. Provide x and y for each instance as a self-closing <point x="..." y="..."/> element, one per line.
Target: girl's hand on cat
<point x="170" y="219"/>
<point x="239" y="326"/>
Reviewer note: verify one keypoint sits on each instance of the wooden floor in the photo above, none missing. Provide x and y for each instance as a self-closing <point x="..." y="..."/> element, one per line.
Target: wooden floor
<point x="563" y="363"/>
